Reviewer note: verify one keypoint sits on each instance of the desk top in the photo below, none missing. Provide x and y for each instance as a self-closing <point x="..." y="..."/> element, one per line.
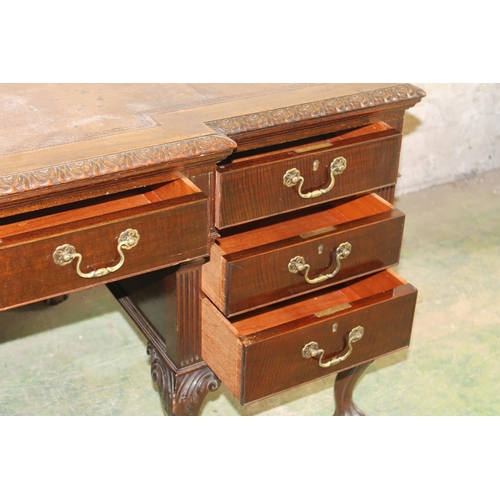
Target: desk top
<point x="55" y="135"/>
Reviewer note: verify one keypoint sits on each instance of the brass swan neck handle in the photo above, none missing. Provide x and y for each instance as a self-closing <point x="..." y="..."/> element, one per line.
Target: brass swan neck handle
<point x="298" y="264"/>
<point x="65" y="254"/>
<point x="293" y="177"/>
<point x="311" y="350"/>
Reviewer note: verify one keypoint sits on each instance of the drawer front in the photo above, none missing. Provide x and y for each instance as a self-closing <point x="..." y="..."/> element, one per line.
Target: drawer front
<point x="244" y="280"/>
<point x="256" y="189"/>
<point x="256" y="362"/>
<point x="73" y="254"/>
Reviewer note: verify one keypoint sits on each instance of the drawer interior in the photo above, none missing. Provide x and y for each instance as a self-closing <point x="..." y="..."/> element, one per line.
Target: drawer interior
<point x="260" y="354"/>
<point x="251" y="269"/>
<point x="270" y="183"/>
<point x="305" y="146"/>
<point x="99" y="209"/>
<point x="319" y="305"/>
<point x="308" y="225"/>
<point x="77" y="246"/>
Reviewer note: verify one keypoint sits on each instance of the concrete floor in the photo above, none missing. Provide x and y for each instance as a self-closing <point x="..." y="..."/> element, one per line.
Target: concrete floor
<point x="85" y="357"/>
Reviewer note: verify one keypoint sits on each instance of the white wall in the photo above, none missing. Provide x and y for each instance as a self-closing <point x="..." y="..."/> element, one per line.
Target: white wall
<point x="453" y="133"/>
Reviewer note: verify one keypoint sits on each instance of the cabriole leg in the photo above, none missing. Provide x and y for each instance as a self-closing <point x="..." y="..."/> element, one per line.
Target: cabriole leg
<point x="343" y="389"/>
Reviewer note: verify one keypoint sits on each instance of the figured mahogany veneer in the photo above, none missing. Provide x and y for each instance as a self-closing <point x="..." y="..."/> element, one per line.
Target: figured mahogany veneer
<point x="250" y="269"/>
<point x="158" y="213"/>
<point x="251" y="187"/>
<point x="260" y="354"/>
<point x="197" y="170"/>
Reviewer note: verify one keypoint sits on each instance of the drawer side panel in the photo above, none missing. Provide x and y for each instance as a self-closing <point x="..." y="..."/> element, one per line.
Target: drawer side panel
<point x="220" y="348"/>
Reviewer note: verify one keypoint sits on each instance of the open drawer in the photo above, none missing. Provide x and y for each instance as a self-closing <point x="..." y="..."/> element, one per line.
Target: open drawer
<point x="293" y="177"/>
<point x="261" y="354"/>
<point x="77" y="246"/>
<point x="278" y="261"/>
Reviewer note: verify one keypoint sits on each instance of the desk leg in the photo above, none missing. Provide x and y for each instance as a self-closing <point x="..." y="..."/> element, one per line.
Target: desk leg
<point x="182" y="391"/>
<point x="54" y="301"/>
<point x="343" y="389"/>
<point x="165" y="305"/>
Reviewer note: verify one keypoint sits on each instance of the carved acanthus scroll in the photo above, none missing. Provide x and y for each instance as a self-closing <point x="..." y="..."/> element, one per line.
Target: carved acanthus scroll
<point x="183" y="392"/>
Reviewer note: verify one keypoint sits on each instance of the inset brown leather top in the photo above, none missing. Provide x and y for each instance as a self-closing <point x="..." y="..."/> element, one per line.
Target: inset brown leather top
<point x="52" y="134"/>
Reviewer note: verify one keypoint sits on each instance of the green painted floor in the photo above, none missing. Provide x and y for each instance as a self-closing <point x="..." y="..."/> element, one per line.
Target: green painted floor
<point x="85" y="357"/>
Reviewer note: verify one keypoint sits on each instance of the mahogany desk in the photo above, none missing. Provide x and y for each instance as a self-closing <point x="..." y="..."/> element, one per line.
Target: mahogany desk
<point x="247" y="229"/>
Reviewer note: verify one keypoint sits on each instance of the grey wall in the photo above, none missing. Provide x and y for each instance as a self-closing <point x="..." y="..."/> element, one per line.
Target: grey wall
<point x="453" y="133"/>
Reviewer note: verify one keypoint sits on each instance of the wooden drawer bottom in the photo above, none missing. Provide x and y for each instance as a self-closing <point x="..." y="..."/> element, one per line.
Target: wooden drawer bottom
<point x="258" y="355"/>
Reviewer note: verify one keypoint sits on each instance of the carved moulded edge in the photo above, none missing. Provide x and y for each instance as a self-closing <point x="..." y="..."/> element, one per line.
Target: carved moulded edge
<point x="114" y="163"/>
<point x="317" y="109"/>
<point x="205" y="145"/>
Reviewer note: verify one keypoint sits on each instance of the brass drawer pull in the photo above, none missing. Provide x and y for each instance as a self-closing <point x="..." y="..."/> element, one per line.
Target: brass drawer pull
<point x="292" y="177"/>
<point x="65" y="254"/>
<point x="298" y="264"/>
<point x="311" y="350"/>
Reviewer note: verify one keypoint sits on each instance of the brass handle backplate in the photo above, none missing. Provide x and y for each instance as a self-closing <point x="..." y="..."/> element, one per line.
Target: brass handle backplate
<point x="298" y="264"/>
<point x="66" y="254"/>
<point x="311" y="350"/>
<point x="293" y="177"/>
